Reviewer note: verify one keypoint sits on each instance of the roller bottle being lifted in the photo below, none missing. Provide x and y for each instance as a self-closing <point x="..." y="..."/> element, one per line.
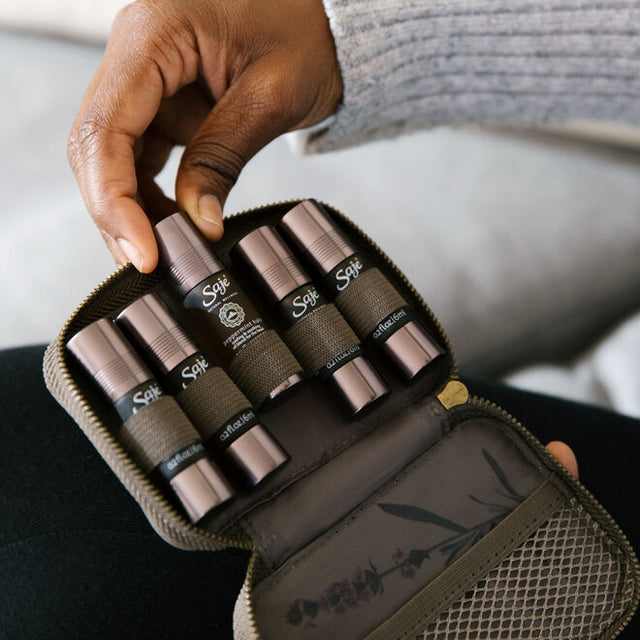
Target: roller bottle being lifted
<point x="254" y="355"/>
<point x="370" y="303"/>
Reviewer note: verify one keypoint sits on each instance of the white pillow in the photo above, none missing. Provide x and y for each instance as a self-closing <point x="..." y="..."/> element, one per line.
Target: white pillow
<point x="608" y="375"/>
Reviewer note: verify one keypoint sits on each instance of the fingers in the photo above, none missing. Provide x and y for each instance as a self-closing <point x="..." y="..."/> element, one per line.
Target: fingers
<point x="101" y="155"/>
<point x="106" y="175"/>
<point x="121" y="103"/>
<point x="565" y="456"/>
<point x="254" y="110"/>
<point x="257" y="66"/>
<point x="176" y="122"/>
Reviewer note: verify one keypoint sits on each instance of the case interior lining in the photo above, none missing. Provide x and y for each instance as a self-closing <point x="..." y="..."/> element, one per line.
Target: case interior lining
<point x="307" y="508"/>
<point x="442" y="504"/>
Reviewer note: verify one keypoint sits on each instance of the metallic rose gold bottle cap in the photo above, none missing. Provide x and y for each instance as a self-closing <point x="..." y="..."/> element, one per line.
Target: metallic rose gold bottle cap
<point x="256" y="453"/>
<point x="313" y="232"/>
<point x="281" y="392"/>
<point x="359" y="385"/>
<point x="184" y="251"/>
<point x="200" y="487"/>
<point x="272" y="262"/>
<point x="411" y="349"/>
<point x="109" y="358"/>
<point x="157" y="331"/>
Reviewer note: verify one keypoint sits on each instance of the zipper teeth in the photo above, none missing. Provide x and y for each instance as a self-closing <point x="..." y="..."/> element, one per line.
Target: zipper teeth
<point x="250" y="582"/>
<point x="583" y="492"/>
<point x="106" y="434"/>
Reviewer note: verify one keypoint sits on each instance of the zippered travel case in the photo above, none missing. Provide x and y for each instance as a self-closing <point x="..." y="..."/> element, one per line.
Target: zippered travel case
<point x="437" y="515"/>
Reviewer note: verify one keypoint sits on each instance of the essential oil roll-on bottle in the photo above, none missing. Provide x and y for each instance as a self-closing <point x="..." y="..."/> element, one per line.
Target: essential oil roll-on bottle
<point x="219" y="411"/>
<point x="314" y="329"/>
<point x="254" y="355"/>
<point x="154" y="429"/>
<point x="370" y="303"/>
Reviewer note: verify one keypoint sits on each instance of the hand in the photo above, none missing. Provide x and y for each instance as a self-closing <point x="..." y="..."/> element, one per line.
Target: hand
<point x="224" y="78"/>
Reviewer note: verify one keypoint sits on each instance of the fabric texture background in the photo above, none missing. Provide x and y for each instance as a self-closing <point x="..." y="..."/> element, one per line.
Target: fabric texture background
<point x="155" y="432"/>
<point x="319" y="337"/>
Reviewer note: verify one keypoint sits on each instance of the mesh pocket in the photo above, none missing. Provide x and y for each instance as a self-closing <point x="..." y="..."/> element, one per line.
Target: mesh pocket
<point x="566" y="582"/>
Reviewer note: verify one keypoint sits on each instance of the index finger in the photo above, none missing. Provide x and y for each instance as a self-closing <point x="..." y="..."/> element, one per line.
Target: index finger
<point x="118" y="107"/>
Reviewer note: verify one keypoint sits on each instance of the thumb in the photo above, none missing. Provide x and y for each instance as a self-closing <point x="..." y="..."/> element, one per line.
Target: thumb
<point x="564" y="454"/>
<point x="251" y="113"/>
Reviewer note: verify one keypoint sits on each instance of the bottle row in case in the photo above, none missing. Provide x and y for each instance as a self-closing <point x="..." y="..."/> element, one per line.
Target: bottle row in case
<point x="315" y="331"/>
<point x="176" y="422"/>
<point x="221" y="413"/>
<point x="239" y="332"/>
<point x="323" y="334"/>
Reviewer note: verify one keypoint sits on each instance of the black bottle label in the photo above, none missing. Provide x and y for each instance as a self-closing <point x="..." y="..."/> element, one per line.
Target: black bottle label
<point x="138" y="398"/>
<point x="300" y="303"/>
<point x="179" y="460"/>
<point x="233" y="428"/>
<point x="231" y="316"/>
<point x="344" y="273"/>
<point x="389" y="325"/>
<point x="335" y="363"/>
<point x="181" y="376"/>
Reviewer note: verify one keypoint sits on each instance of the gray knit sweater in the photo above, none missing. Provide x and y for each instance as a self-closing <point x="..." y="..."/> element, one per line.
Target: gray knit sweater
<point x="418" y="63"/>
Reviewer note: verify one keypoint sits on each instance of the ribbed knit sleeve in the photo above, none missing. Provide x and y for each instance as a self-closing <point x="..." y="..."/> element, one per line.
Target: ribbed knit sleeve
<point x="409" y="64"/>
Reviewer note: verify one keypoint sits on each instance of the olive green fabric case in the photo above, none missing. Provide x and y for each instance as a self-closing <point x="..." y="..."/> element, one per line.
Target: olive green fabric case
<point x="435" y="516"/>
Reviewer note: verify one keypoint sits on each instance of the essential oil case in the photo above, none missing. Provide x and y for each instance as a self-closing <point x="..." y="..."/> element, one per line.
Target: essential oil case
<point x="435" y="516"/>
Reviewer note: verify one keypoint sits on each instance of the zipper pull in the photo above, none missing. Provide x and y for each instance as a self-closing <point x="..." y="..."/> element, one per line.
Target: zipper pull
<point x="453" y="394"/>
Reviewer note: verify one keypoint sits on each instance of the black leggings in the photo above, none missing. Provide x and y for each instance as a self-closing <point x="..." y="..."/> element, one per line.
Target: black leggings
<point x="79" y="560"/>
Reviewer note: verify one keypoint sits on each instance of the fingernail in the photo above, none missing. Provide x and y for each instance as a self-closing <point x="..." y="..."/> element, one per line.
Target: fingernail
<point x="133" y="253"/>
<point x="209" y="209"/>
